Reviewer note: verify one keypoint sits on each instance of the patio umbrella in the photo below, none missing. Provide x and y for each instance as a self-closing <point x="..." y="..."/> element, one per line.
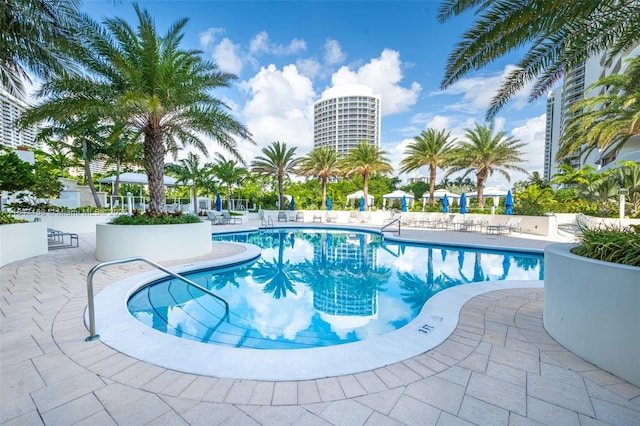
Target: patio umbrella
<point x="329" y="207"/>
<point x="218" y="203"/>
<point x="463" y="204"/>
<point x="361" y="204"/>
<point x="292" y="204"/>
<point x="508" y="203"/>
<point x="404" y="203"/>
<point x="445" y="204"/>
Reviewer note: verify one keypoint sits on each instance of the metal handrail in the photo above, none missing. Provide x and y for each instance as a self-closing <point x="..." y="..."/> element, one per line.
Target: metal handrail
<point x="91" y="308"/>
<point x="269" y="221"/>
<point x="391" y="223"/>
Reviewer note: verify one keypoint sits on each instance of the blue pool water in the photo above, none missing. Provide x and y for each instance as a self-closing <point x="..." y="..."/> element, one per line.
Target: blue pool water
<point x="315" y="288"/>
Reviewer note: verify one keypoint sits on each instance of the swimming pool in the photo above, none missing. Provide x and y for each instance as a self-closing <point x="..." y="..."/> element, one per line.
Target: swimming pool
<point x="315" y="288"/>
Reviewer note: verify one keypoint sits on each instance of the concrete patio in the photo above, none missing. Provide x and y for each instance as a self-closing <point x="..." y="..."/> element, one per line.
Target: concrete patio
<point x="499" y="367"/>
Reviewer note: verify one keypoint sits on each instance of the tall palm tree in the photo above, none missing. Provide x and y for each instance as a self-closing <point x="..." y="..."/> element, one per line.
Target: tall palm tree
<point x="607" y="120"/>
<point x="365" y="159"/>
<point x="322" y="162"/>
<point x="229" y="172"/>
<point x="58" y="155"/>
<point x="278" y="160"/>
<point x="484" y="152"/>
<point x="122" y="148"/>
<point x="188" y="170"/>
<point x="35" y="34"/>
<point x="431" y="148"/>
<point x="558" y="35"/>
<point x="568" y="177"/>
<point x="149" y="83"/>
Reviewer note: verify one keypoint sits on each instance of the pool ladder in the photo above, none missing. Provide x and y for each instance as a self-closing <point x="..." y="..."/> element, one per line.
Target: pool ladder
<point x="92" y="272"/>
<point x="388" y="225"/>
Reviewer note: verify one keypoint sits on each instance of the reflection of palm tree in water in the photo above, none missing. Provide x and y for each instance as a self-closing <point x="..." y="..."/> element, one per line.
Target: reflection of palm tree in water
<point x="418" y="291"/>
<point x="277" y="275"/>
<point x="478" y="273"/>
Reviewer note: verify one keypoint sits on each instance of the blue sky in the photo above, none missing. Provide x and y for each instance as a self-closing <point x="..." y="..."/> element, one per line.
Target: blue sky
<point x="286" y="53"/>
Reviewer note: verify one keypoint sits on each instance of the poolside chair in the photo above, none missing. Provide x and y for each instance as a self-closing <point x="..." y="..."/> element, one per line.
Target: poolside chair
<point x="214" y="217"/>
<point x="331" y="217"/>
<point x="513" y="224"/>
<point x="353" y="217"/>
<point x="228" y="219"/>
<point x="317" y="217"/>
<point x="282" y="216"/>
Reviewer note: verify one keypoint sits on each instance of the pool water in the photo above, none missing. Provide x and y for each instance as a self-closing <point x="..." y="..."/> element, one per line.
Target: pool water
<point x="313" y="288"/>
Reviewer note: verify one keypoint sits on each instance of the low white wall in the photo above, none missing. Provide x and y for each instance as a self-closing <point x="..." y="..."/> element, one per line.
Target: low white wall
<point x="76" y="223"/>
<point x="22" y="240"/>
<point x="591" y="308"/>
<point x="154" y="242"/>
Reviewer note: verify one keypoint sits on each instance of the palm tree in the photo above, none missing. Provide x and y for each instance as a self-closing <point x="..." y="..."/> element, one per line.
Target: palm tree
<point x="558" y="34"/>
<point x="58" y="155"/>
<point x="228" y="172"/>
<point x="121" y="148"/>
<point x="188" y="170"/>
<point x="602" y="192"/>
<point x="485" y="152"/>
<point x="628" y="177"/>
<point x="34" y="36"/>
<point x="150" y="84"/>
<point x="432" y="148"/>
<point x="322" y="162"/>
<point x="568" y="177"/>
<point x="278" y="160"/>
<point x="365" y="159"/>
<point x="607" y="120"/>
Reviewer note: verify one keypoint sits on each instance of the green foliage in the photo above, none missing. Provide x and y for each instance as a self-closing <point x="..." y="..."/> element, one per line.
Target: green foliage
<point x="17" y="175"/>
<point x="150" y="218"/>
<point x="8" y="219"/>
<point x="610" y="244"/>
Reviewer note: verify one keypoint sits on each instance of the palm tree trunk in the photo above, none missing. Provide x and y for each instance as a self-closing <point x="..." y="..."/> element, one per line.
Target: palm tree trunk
<point x="87" y="174"/>
<point x="195" y="198"/>
<point x="229" y="196"/>
<point x="365" y="189"/>
<point x="116" y="185"/>
<point x="154" y="166"/>
<point x="323" y="181"/>
<point x="280" y="192"/>
<point x="432" y="183"/>
<point x="481" y="179"/>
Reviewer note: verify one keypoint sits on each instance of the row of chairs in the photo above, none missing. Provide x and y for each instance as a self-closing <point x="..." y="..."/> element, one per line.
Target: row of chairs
<point x="460" y="222"/>
<point x="223" y="218"/>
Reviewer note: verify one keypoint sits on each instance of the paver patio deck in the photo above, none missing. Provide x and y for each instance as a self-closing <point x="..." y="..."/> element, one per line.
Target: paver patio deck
<point x="498" y="367"/>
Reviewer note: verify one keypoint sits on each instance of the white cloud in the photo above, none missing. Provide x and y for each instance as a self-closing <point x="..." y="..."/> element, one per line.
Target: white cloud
<point x="477" y="92"/>
<point x="261" y="44"/>
<point x="309" y="67"/>
<point x="333" y="53"/>
<point x="208" y="37"/>
<point x="228" y="56"/>
<point x="533" y="134"/>
<point x="383" y="75"/>
<point x="280" y="108"/>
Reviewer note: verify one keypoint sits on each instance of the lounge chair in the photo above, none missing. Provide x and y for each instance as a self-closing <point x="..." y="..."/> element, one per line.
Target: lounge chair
<point x="513" y="224"/>
<point x="331" y="218"/>
<point x="299" y="217"/>
<point x="317" y="217"/>
<point x="228" y="219"/>
<point x="56" y="239"/>
<point x="282" y="216"/>
<point x="214" y="217"/>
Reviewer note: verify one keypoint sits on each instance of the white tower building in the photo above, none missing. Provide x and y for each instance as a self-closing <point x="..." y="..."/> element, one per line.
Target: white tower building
<point x="10" y="136"/>
<point x="346" y="116"/>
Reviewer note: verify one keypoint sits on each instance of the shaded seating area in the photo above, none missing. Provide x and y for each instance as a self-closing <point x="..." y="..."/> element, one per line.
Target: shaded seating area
<point x="57" y="239"/>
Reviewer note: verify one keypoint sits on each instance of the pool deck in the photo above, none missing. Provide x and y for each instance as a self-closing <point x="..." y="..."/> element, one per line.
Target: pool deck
<point x="499" y="367"/>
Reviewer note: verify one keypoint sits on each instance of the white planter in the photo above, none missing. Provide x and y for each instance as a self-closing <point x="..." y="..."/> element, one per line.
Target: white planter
<point x="22" y="240"/>
<point x="154" y="242"/>
<point x="592" y="308"/>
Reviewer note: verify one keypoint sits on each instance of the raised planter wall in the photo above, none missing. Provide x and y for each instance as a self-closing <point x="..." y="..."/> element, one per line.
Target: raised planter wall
<point x="22" y="240"/>
<point x="154" y="242"/>
<point x="76" y="223"/>
<point x="592" y="308"/>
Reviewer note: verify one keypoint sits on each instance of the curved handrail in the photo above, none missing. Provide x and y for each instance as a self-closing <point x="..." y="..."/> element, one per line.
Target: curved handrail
<point x="91" y="308"/>
<point x="391" y="223"/>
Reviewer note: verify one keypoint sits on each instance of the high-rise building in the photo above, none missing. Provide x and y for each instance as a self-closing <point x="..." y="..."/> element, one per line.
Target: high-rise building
<point x="10" y="135"/>
<point x="575" y="83"/>
<point x="346" y="116"/>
